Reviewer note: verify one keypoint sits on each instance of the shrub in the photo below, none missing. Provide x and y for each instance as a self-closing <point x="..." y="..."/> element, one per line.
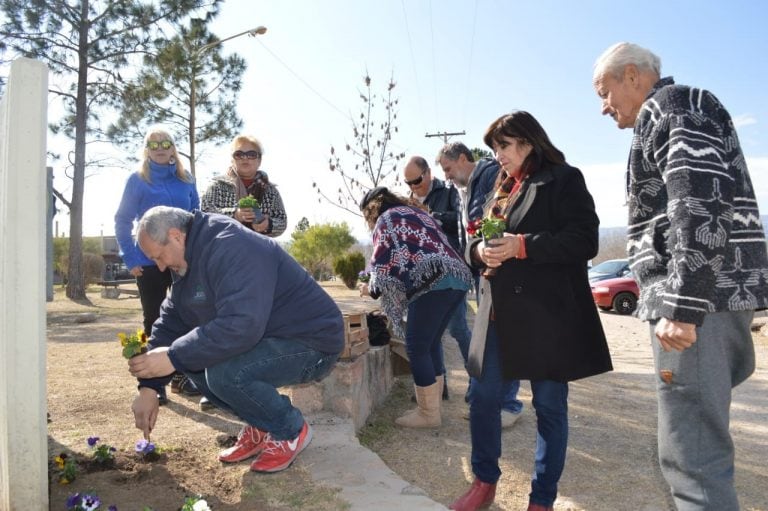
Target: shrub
<point x="93" y="267"/>
<point x="348" y="266"/>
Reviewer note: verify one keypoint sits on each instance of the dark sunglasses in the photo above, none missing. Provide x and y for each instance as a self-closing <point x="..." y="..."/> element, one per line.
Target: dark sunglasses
<point x="153" y="145"/>
<point x="417" y="181"/>
<point x="242" y="155"/>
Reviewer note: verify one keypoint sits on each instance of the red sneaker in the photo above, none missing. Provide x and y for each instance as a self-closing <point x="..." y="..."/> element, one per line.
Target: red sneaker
<point x="250" y="442"/>
<point x="279" y="454"/>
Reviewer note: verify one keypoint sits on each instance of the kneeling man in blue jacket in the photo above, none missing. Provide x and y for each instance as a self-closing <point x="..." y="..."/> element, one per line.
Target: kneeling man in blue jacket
<point x="242" y="318"/>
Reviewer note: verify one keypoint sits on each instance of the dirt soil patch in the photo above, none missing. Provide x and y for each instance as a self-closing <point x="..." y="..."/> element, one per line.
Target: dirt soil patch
<point x="611" y="462"/>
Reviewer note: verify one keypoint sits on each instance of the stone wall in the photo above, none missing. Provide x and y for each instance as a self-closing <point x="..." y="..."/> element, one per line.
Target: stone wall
<point x="352" y="390"/>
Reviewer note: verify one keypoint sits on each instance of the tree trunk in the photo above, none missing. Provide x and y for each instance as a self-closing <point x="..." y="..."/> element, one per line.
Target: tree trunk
<point x="76" y="277"/>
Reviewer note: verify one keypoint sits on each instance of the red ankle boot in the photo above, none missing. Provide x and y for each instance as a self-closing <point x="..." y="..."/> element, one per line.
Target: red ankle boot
<point x="479" y="496"/>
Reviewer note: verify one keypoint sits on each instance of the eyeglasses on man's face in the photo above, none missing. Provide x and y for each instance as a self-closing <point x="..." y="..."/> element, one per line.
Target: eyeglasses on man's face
<point x="154" y="145"/>
<point x="246" y="155"/>
<point x="417" y="181"/>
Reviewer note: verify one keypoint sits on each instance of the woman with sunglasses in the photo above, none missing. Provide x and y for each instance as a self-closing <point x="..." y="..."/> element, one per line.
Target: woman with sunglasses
<point x="160" y="181"/>
<point x="243" y="179"/>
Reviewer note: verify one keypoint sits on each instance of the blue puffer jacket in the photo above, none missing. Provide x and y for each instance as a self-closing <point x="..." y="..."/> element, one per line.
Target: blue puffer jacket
<point x="138" y="196"/>
<point x="240" y="287"/>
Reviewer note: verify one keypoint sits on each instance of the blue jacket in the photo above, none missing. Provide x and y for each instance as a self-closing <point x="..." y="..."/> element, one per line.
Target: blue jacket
<point x="139" y="196"/>
<point x="480" y="185"/>
<point x="239" y="287"/>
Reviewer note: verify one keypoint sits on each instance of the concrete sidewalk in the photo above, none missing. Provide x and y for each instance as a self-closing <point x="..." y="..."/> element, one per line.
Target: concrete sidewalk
<point x="336" y="459"/>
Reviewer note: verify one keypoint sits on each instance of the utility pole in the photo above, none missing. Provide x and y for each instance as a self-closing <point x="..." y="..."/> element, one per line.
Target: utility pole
<point x="445" y="135"/>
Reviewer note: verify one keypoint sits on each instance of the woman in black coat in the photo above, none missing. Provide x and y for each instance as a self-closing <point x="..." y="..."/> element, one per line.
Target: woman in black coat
<point x="540" y="323"/>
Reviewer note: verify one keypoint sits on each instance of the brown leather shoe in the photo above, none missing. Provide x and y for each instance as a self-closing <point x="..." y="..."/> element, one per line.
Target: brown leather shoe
<point x="479" y="496"/>
<point x="539" y="507"/>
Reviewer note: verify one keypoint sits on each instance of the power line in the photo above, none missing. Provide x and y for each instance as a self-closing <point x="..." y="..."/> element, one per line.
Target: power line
<point x="413" y="63"/>
<point x="434" y="68"/>
<point x="302" y="80"/>
<point x="445" y="135"/>
<point x="469" y="71"/>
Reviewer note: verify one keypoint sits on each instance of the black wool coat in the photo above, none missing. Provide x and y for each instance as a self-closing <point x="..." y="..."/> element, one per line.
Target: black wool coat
<point x="545" y="317"/>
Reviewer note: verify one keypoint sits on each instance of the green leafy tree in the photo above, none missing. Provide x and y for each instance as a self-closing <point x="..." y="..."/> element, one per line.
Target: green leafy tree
<point x="478" y="153"/>
<point x="188" y="87"/>
<point x="303" y="224"/>
<point x="369" y="160"/>
<point x="348" y="266"/>
<point x="317" y="247"/>
<point x="86" y="44"/>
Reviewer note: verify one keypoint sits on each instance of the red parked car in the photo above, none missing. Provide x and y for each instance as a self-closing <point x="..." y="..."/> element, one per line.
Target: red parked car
<point x="619" y="294"/>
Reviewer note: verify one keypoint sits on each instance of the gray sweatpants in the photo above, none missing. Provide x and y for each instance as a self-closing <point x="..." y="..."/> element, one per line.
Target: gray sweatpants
<point x="695" y="447"/>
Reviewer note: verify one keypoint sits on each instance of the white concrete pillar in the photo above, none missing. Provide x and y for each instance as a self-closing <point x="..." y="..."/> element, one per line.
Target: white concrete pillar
<point x="23" y="217"/>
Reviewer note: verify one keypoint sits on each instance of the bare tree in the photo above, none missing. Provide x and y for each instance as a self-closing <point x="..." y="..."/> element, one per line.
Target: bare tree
<point x="369" y="160"/>
<point x="86" y="42"/>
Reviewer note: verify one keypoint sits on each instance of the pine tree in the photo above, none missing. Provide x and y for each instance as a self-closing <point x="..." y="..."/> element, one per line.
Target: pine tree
<point x="189" y="88"/>
<point x="85" y="44"/>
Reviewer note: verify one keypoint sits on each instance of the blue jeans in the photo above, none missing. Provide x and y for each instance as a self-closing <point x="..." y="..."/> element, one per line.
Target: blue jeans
<point x="550" y="400"/>
<point x="246" y="384"/>
<point x="428" y="315"/>
<point x="510" y="403"/>
<point x="457" y="327"/>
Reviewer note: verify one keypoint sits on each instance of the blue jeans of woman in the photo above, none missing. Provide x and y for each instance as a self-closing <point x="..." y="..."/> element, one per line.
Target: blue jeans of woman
<point x="550" y="401"/>
<point x="246" y="384"/>
<point x="428" y="315"/>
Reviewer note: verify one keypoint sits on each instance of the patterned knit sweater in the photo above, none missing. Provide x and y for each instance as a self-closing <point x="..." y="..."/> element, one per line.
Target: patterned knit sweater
<point x="695" y="241"/>
<point x="221" y="197"/>
<point x="411" y="255"/>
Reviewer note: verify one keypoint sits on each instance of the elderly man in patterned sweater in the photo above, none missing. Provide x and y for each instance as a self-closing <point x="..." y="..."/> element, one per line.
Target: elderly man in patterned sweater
<point x="698" y="251"/>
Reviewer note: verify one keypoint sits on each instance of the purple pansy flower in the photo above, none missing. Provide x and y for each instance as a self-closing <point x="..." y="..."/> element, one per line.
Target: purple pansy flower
<point x="90" y="502"/>
<point x="92" y="440"/>
<point x="73" y="500"/>
<point x="145" y="446"/>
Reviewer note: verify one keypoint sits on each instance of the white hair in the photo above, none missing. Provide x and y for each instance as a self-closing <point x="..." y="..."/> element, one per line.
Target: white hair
<point x="157" y="221"/>
<point x="614" y="59"/>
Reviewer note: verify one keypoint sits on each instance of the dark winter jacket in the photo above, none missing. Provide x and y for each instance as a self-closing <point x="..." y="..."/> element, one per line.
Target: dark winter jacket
<point x="546" y="320"/>
<point x="240" y="287"/>
<point x="445" y="206"/>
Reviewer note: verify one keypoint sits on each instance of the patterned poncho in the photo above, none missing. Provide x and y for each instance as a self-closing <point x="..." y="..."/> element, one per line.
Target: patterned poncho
<point x="411" y="254"/>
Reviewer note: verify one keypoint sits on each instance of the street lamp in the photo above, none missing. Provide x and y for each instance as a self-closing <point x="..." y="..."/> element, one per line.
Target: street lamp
<point x="260" y="30"/>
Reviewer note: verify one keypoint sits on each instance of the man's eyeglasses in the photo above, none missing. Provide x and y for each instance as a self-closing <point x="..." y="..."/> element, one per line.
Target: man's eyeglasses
<point x="417" y="181"/>
<point x="243" y="155"/>
<point x="154" y="145"/>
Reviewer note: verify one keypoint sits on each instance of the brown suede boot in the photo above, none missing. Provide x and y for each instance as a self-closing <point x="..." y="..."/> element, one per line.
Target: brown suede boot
<point x="479" y="496"/>
<point x="427" y="415"/>
<point x="412" y="411"/>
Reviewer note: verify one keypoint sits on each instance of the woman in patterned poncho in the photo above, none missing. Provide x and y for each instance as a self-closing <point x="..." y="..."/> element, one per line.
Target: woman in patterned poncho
<point x="243" y="178"/>
<point x="414" y="270"/>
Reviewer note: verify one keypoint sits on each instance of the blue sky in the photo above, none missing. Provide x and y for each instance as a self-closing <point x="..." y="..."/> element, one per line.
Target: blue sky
<point x="458" y="66"/>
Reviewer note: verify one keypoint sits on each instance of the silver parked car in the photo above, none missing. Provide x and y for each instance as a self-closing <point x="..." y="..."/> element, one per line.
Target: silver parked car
<point x="608" y="270"/>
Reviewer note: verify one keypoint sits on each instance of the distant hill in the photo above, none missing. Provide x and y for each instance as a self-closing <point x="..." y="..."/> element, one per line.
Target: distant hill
<point x="622" y="231"/>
